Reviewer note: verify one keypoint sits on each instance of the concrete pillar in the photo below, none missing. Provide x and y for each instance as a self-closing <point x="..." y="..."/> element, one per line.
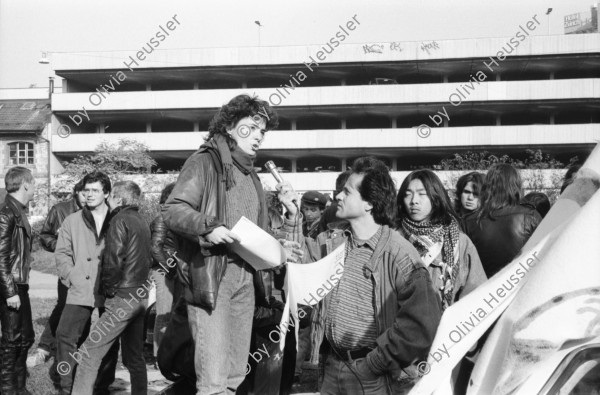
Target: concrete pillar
<point x="445" y="78"/>
<point x="498" y="120"/>
<point x="394" y="164"/>
<point x="244" y="85"/>
<point x="343" y="123"/>
<point x="294" y="124"/>
<point x="343" y="160"/>
<point x="498" y="77"/>
<point x="148" y="87"/>
<point x="551" y="76"/>
<point x="294" y="165"/>
<point x="343" y="82"/>
<point x="394" y="123"/>
<point x="148" y="127"/>
<point x="196" y="85"/>
<point x="101" y="128"/>
<point x="445" y="122"/>
<point x="551" y="119"/>
<point x="196" y="126"/>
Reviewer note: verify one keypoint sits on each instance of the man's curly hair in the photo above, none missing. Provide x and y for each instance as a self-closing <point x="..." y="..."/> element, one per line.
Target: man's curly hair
<point x="239" y="107"/>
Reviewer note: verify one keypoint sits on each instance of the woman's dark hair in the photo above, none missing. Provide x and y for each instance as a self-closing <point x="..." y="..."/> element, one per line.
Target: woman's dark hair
<point x="78" y="187"/>
<point x="377" y="188"/>
<point x="569" y="177"/>
<point x="98" y="176"/>
<point x="474" y="177"/>
<point x="538" y="201"/>
<point x="441" y="208"/>
<point x="239" y="107"/>
<point x="501" y="188"/>
<point x="164" y="194"/>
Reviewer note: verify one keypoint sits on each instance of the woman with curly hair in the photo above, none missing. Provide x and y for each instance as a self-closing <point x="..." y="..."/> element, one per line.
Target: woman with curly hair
<point x="428" y="222"/>
<point x="468" y="188"/>
<point x="502" y="225"/>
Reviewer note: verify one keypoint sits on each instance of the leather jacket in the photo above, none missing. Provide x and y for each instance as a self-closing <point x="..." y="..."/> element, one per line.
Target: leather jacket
<point x="499" y="238"/>
<point x="54" y="220"/>
<point x="126" y="258"/>
<point x="15" y="247"/>
<point x="195" y="208"/>
<point x="163" y="245"/>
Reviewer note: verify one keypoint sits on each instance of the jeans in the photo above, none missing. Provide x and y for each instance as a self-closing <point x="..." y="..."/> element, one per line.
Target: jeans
<point x="339" y="379"/>
<point x="165" y="291"/>
<point x="17" y="337"/>
<point x="72" y="330"/>
<point x="222" y="336"/>
<point x="48" y="338"/>
<point x="122" y="317"/>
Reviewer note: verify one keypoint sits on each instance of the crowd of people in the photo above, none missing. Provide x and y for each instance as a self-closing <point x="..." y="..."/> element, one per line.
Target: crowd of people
<point x="409" y="255"/>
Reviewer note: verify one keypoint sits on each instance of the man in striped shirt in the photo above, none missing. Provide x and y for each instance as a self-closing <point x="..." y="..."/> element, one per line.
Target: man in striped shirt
<point x="381" y="318"/>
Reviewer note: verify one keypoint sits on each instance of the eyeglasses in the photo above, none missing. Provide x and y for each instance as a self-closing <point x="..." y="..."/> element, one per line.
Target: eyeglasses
<point x="94" y="191"/>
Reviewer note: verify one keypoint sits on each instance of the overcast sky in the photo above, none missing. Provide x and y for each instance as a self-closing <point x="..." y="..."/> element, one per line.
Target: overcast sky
<point x="29" y="27"/>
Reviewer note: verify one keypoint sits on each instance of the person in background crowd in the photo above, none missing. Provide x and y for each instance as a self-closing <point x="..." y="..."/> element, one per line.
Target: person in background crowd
<point x="468" y="188"/>
<point x="125" y="267"/>
<point x="15" y="261"/>
<point x="329" y="216"/>
<point x="78" y="250"/>
<point x="48" y="237"/>
<point x="569" y="177"/>
<point x="216" y="187"/>
<point x="312" y="207"/>
<point x="163" y="271"/>
<point x="538" y="201"/>
<point x="428" y="222"/>
<point x="381" y="317"/>
<point x="501" y="226"/>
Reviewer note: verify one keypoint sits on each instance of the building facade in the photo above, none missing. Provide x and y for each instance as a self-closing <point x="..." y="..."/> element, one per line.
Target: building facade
<point x="410" y="104"/>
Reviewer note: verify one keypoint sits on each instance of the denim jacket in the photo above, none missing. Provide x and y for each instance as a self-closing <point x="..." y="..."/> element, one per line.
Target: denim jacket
<point x="407" y="308"/>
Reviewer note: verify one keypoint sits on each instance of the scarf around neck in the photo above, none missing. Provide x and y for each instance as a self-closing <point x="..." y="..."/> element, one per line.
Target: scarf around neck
<point x="237" y="157"/>
<point x="422" y="234"/>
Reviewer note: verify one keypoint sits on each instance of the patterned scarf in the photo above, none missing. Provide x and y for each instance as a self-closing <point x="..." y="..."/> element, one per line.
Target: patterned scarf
<point x="422" y="234"/>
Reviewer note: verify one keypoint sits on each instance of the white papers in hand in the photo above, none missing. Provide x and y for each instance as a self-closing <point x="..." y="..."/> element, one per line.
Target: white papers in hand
<point x="257" y="247"/>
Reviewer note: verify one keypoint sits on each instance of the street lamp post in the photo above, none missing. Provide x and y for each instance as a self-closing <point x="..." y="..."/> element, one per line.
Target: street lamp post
<point x="259" y="26"/>
<point x="548" y="21"/>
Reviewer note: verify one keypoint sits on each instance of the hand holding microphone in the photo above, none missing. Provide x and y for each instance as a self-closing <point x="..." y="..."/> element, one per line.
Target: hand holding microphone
<point x="287" y="195"/>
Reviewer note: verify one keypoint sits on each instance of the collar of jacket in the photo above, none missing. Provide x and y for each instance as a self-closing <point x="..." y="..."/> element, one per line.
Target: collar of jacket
<point x="116" y="211"/>
<point x="18" y="210"/>
<point x="345" y="230"/>
<point x="88" y="220"/>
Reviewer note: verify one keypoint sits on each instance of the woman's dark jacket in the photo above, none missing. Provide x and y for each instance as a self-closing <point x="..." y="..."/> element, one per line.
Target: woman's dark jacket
<point x="195" y="208"/>
<point x="15" y="247"/>
<point x="499" y="238"/>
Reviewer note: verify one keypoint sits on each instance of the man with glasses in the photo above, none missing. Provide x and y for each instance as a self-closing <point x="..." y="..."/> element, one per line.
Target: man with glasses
<point x="78" y="250"/>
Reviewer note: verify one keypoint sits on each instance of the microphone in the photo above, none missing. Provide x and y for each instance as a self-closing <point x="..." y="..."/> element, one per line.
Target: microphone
<point x="270" y="166"/>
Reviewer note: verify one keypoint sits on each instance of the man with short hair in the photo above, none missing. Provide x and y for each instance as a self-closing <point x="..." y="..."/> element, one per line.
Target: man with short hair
<point x="380" y="319"/>
<point x="48" y="238"/>
<point x="78" y="250"/>
<point x="124" y="280"/>
<point x="312" y="206"/>
<point x="15" y="260"/>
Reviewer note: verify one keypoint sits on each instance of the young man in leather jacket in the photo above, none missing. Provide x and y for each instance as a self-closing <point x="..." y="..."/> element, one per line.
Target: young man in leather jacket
<point x="124" y="282"/>
<point x="15" y="259"/>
